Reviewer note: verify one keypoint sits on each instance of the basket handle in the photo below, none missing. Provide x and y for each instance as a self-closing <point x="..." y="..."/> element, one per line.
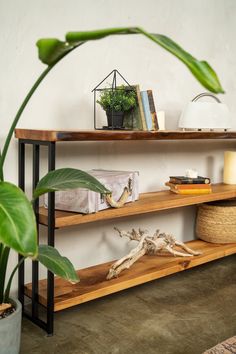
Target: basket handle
<point x="123" y="198"/>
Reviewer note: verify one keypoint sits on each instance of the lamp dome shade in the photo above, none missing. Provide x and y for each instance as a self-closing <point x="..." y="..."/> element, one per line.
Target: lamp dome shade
<point x="205" y="115"/>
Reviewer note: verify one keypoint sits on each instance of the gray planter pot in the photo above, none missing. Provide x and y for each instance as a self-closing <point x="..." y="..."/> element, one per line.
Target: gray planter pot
<point x="10" y="331"/>
<point x="115" y="119"/>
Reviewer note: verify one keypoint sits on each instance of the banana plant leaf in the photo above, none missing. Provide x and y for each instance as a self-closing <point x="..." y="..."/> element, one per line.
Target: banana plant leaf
<point x="51" y="50"/>
<point x="57" y="264"/>
<point x="17" y="220"/>
<point x="68" y="178"/>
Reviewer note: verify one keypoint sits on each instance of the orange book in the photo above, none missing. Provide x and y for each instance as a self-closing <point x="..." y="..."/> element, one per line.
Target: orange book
<point x="187" y="186"/>
<point x="191" y="191"/>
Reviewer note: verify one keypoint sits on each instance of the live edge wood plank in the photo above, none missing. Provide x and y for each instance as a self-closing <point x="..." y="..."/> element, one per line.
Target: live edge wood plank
<point x="106" y="135"/>
<point x="93" y="283"/>
<point x="148" y="203"/>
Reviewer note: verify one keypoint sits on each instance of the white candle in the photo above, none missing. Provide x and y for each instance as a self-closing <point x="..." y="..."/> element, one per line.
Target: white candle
<point x="230" y="167"/>
<point x="161" y="120"/>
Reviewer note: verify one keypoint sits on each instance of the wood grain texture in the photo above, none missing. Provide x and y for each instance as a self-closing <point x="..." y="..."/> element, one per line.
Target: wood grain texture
<point x="148" y="203"/>
<point x="109" y="135"/>
<point x="93" y="282"/>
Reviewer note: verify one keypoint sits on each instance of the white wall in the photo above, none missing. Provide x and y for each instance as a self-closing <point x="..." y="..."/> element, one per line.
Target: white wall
<point x="64" y="100"/>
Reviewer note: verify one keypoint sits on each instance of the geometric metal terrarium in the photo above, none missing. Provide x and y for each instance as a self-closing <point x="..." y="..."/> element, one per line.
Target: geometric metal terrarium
<point x="115" y="101"/>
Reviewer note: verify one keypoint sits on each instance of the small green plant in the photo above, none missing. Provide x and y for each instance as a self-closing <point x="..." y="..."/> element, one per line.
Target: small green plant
<point x="120" y="99"/>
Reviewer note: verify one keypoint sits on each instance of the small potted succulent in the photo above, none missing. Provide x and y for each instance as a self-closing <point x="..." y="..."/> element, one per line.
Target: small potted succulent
<point x="116" y="102"/>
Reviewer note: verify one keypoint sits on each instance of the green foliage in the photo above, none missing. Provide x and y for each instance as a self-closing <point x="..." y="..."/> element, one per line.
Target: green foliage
<point x="68" y="178"/>
<point x="18" y="226"/>
<point x="17" y="220"/>
<point x="51" y="50"/>
<point x="120" y="99"/>
<point x="57" y="264"/>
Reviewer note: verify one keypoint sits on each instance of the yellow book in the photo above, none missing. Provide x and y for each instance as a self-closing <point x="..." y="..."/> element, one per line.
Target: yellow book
<point x="191" y="191"/>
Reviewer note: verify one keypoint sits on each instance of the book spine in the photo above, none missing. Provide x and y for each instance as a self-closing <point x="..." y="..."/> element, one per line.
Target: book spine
<point x="191" y="191"/>
<point x="152" y="110"/>
<point x="141" y="108"/>
<point x="146" y="109"/>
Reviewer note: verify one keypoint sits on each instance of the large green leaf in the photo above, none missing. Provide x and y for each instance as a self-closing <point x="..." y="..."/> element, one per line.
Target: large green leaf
<point x="52" y="50"/>
<point x="57" y="264"/>
<point x="68" y="178"/>
<point x="17" y="220"/>
<point x="200" y="69"/>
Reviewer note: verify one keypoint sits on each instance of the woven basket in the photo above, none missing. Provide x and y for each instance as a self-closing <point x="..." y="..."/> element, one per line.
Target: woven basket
<point x="216" y="222"/>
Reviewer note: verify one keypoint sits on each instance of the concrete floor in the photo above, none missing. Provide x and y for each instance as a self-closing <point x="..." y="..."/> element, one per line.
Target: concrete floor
<point x="185" y="313"/>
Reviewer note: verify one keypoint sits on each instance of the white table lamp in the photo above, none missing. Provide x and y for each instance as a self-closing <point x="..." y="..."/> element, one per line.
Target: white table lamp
<point x="205" y="115"/>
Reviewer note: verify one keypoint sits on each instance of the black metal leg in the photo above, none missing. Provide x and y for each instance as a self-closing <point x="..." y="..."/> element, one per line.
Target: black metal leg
<point x="21" y="182"/>
<point x="51" y="241"/>
<point x="34" y="315"/>
<point x="35" y="266"/>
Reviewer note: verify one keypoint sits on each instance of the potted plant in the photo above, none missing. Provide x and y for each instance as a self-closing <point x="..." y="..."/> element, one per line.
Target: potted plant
<point x="17" y="220"/>
<point x="115" y="102"/>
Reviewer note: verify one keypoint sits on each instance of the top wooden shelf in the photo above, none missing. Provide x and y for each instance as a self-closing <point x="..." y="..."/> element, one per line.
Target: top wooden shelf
<point x="109" y="135"/>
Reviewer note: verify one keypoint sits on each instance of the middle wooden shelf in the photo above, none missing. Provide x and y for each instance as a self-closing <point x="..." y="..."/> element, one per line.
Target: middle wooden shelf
<point x="148" y="203"/>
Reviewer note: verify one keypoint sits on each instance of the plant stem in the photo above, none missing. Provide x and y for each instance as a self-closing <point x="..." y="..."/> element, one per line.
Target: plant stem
<point x="3" y="267"/>
<point x="1" y="249"/>
<point x="7" y="291"/>
<point x="17" y="117"/>
<point x="22" y="107"/>
<point x="1" y="172"/>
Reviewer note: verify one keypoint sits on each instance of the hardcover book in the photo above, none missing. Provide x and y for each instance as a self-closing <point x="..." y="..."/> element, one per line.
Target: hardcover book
<point x="188" y="180"/>
<point x="188" y="186"/>
<point x="146" y="109"/>
<point x="191" y="191"/>
<point x="152" y="110"/>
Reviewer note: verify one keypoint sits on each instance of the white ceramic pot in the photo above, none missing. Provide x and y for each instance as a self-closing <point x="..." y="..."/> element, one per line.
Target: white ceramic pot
<point x="10" y="331"/>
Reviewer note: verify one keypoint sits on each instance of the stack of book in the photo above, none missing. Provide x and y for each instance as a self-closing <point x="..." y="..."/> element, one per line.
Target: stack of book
<point x="187" y="185"/>
<point x="143" y="116"/>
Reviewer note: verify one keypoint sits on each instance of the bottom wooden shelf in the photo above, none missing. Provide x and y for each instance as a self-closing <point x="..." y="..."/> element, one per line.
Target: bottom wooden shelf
<point x="93" y="283"/>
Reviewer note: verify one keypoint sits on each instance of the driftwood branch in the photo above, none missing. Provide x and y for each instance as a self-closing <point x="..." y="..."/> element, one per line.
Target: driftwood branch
<point x="158" y="243"/>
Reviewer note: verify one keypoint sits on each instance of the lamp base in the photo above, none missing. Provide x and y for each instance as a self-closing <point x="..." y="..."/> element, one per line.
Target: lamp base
<point x="203" y="129"/>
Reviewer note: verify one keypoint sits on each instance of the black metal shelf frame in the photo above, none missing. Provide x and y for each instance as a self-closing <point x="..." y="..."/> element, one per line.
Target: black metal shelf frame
<point x="33" y="315"/>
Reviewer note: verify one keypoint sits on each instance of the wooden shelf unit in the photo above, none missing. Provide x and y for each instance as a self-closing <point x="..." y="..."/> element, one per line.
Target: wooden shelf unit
<point x="148" y="203"/>
<point x="93" y="283"/>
